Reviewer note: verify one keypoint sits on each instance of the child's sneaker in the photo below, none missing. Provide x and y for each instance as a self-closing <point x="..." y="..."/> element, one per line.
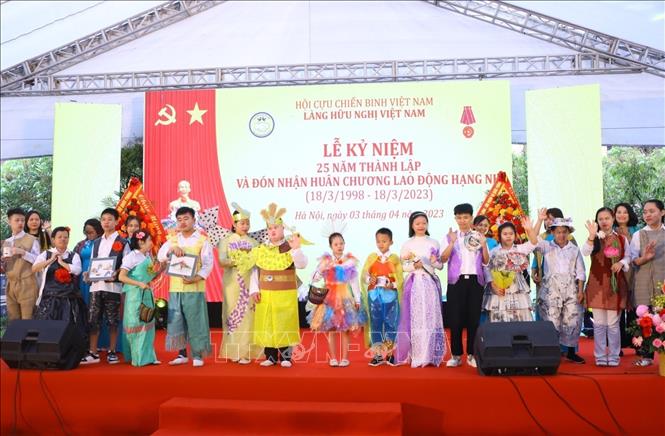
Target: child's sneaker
<point x="471" y="361"/>
<point x="197" y="362"/>
<point x="391" y="361"/>
<point x="180" y="360"/>
<point x="112" y="358"/>
<point x="285" y="364"/>
<point x="377" y="361"/>
<point x="90" y="357"/>
<point x="454" y="362"/>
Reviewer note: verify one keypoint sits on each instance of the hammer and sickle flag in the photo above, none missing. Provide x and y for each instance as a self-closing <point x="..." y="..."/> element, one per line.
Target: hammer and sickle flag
<point x="166" y="116"/>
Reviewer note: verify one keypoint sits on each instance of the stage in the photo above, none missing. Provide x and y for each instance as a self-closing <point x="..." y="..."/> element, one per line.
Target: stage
<point x="311" y="397"/>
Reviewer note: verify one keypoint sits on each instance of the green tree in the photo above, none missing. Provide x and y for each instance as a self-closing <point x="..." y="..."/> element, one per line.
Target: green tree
<point x="131" y="165"/>
<point x="26" y="183"/>
<point x="520" y="180"/>
<point x="633" y="175"/>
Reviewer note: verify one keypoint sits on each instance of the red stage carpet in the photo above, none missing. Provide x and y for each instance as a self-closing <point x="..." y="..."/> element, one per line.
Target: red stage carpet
<point x="311" y="398"/>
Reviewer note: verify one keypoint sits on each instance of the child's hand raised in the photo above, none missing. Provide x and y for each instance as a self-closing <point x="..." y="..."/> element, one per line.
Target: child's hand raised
<point x="452" y="235"/>
<point x="542" y="213"/>
<point x="592" y="227"/>
<point x="526" y="222"/>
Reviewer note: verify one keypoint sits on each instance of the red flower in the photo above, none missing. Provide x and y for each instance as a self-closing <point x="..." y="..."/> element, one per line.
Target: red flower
<point x="646" y="332"/>
<point x="646" y="322"/>
<point x="63" y="276"/>
<point x="662" y="312"/>
<point x="117" y="246"/>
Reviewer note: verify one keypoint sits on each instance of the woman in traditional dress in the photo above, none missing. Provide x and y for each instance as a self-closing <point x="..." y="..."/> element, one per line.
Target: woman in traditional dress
<point x="137" y="271"/>
<point x="238" y="308"/>
<point x="420" y="336"/>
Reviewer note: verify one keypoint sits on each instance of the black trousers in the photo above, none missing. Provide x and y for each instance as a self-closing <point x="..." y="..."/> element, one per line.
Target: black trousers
<point x="463" y="304"/>
<point x="277" y="354"/>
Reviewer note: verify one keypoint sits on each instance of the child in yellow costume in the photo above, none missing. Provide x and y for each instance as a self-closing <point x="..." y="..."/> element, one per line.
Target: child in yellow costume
<point x="381" y="280"/>
<point x="274" y="288"/>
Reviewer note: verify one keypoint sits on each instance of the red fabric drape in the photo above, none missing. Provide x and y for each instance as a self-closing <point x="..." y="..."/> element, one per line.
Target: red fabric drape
<point x="179" y="147"/>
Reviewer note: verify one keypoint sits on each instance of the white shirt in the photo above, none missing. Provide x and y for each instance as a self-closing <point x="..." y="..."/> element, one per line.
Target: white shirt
<point x="557" y="260"/>
<point x="29" y="256"/>
<point x="207" y="258"/>
<point x="132" y="259"/>
<point x="75" y="266"/>
<point x="587" y="249"/>
<point x="105" y="246"/>
<point x="422" y="247"/>
<point x="468" y="266"/>
<point x="299" y="261"/>
<point x="635" y="241"/>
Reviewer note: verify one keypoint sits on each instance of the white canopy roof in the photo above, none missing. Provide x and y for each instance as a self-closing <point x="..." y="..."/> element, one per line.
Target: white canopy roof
<point x="291" y="32"/>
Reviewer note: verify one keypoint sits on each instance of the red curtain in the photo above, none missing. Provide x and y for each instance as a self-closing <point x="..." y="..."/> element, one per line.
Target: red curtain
<point x="180" y="145"/>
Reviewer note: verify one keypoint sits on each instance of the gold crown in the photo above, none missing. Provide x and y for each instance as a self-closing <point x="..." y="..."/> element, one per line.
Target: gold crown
<point x="239" y="213"/>
<point x="272" y="215"/>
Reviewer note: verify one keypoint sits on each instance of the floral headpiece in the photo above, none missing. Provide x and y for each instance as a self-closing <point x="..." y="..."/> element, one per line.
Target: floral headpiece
<point x="272" y="215"/>
<point x="333" y="226"/>
<point x="240" y="213"/>
<point x="140" y="235"/>
<point x="563" y="222"/>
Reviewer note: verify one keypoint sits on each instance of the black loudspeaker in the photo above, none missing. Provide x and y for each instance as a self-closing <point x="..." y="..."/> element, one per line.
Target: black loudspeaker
<point x="42" y="344"/>
<point x="510" y="348"/>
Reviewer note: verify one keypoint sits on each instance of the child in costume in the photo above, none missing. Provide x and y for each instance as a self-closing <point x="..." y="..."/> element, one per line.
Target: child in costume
<point x="466" y="253"/>
<point x="274" y="288"/>
<point x="340" y="311"/>
<point x="561" y="290"/>
<point x="420" y="337"/>
<point x="606" y="289"/>
<point x="188" y="311"/>
<point x="508" y="297"/>
<point x="238" y="308"/>
<point x="137" y="271"/>
<point x="19" y="253"/>
<point x="381" y="281"/>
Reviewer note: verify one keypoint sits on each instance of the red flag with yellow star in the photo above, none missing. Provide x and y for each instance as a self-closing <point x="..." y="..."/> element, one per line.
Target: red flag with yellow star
<point x="181" y="144"/>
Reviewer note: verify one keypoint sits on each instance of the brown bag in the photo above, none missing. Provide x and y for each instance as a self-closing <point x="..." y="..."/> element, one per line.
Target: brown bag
<point x="317" y="295"/>
<point x="146" y="313"/>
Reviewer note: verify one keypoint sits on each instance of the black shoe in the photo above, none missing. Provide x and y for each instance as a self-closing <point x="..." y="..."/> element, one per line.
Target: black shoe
<point x="391" y="361"/>
<point x="621" y="353"/>
<point x="377" y="361"/>
<point x="90" y="357"/>
<point x="112" y="358"/>
<point x="575" y="358"/>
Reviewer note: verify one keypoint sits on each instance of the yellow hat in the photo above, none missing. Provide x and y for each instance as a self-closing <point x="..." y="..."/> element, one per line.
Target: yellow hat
<point x="272" y="215"/>
<point x="239" y="213"/>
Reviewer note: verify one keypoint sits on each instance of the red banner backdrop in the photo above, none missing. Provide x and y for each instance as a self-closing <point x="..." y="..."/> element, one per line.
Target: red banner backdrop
<point x="181" y="144"/>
